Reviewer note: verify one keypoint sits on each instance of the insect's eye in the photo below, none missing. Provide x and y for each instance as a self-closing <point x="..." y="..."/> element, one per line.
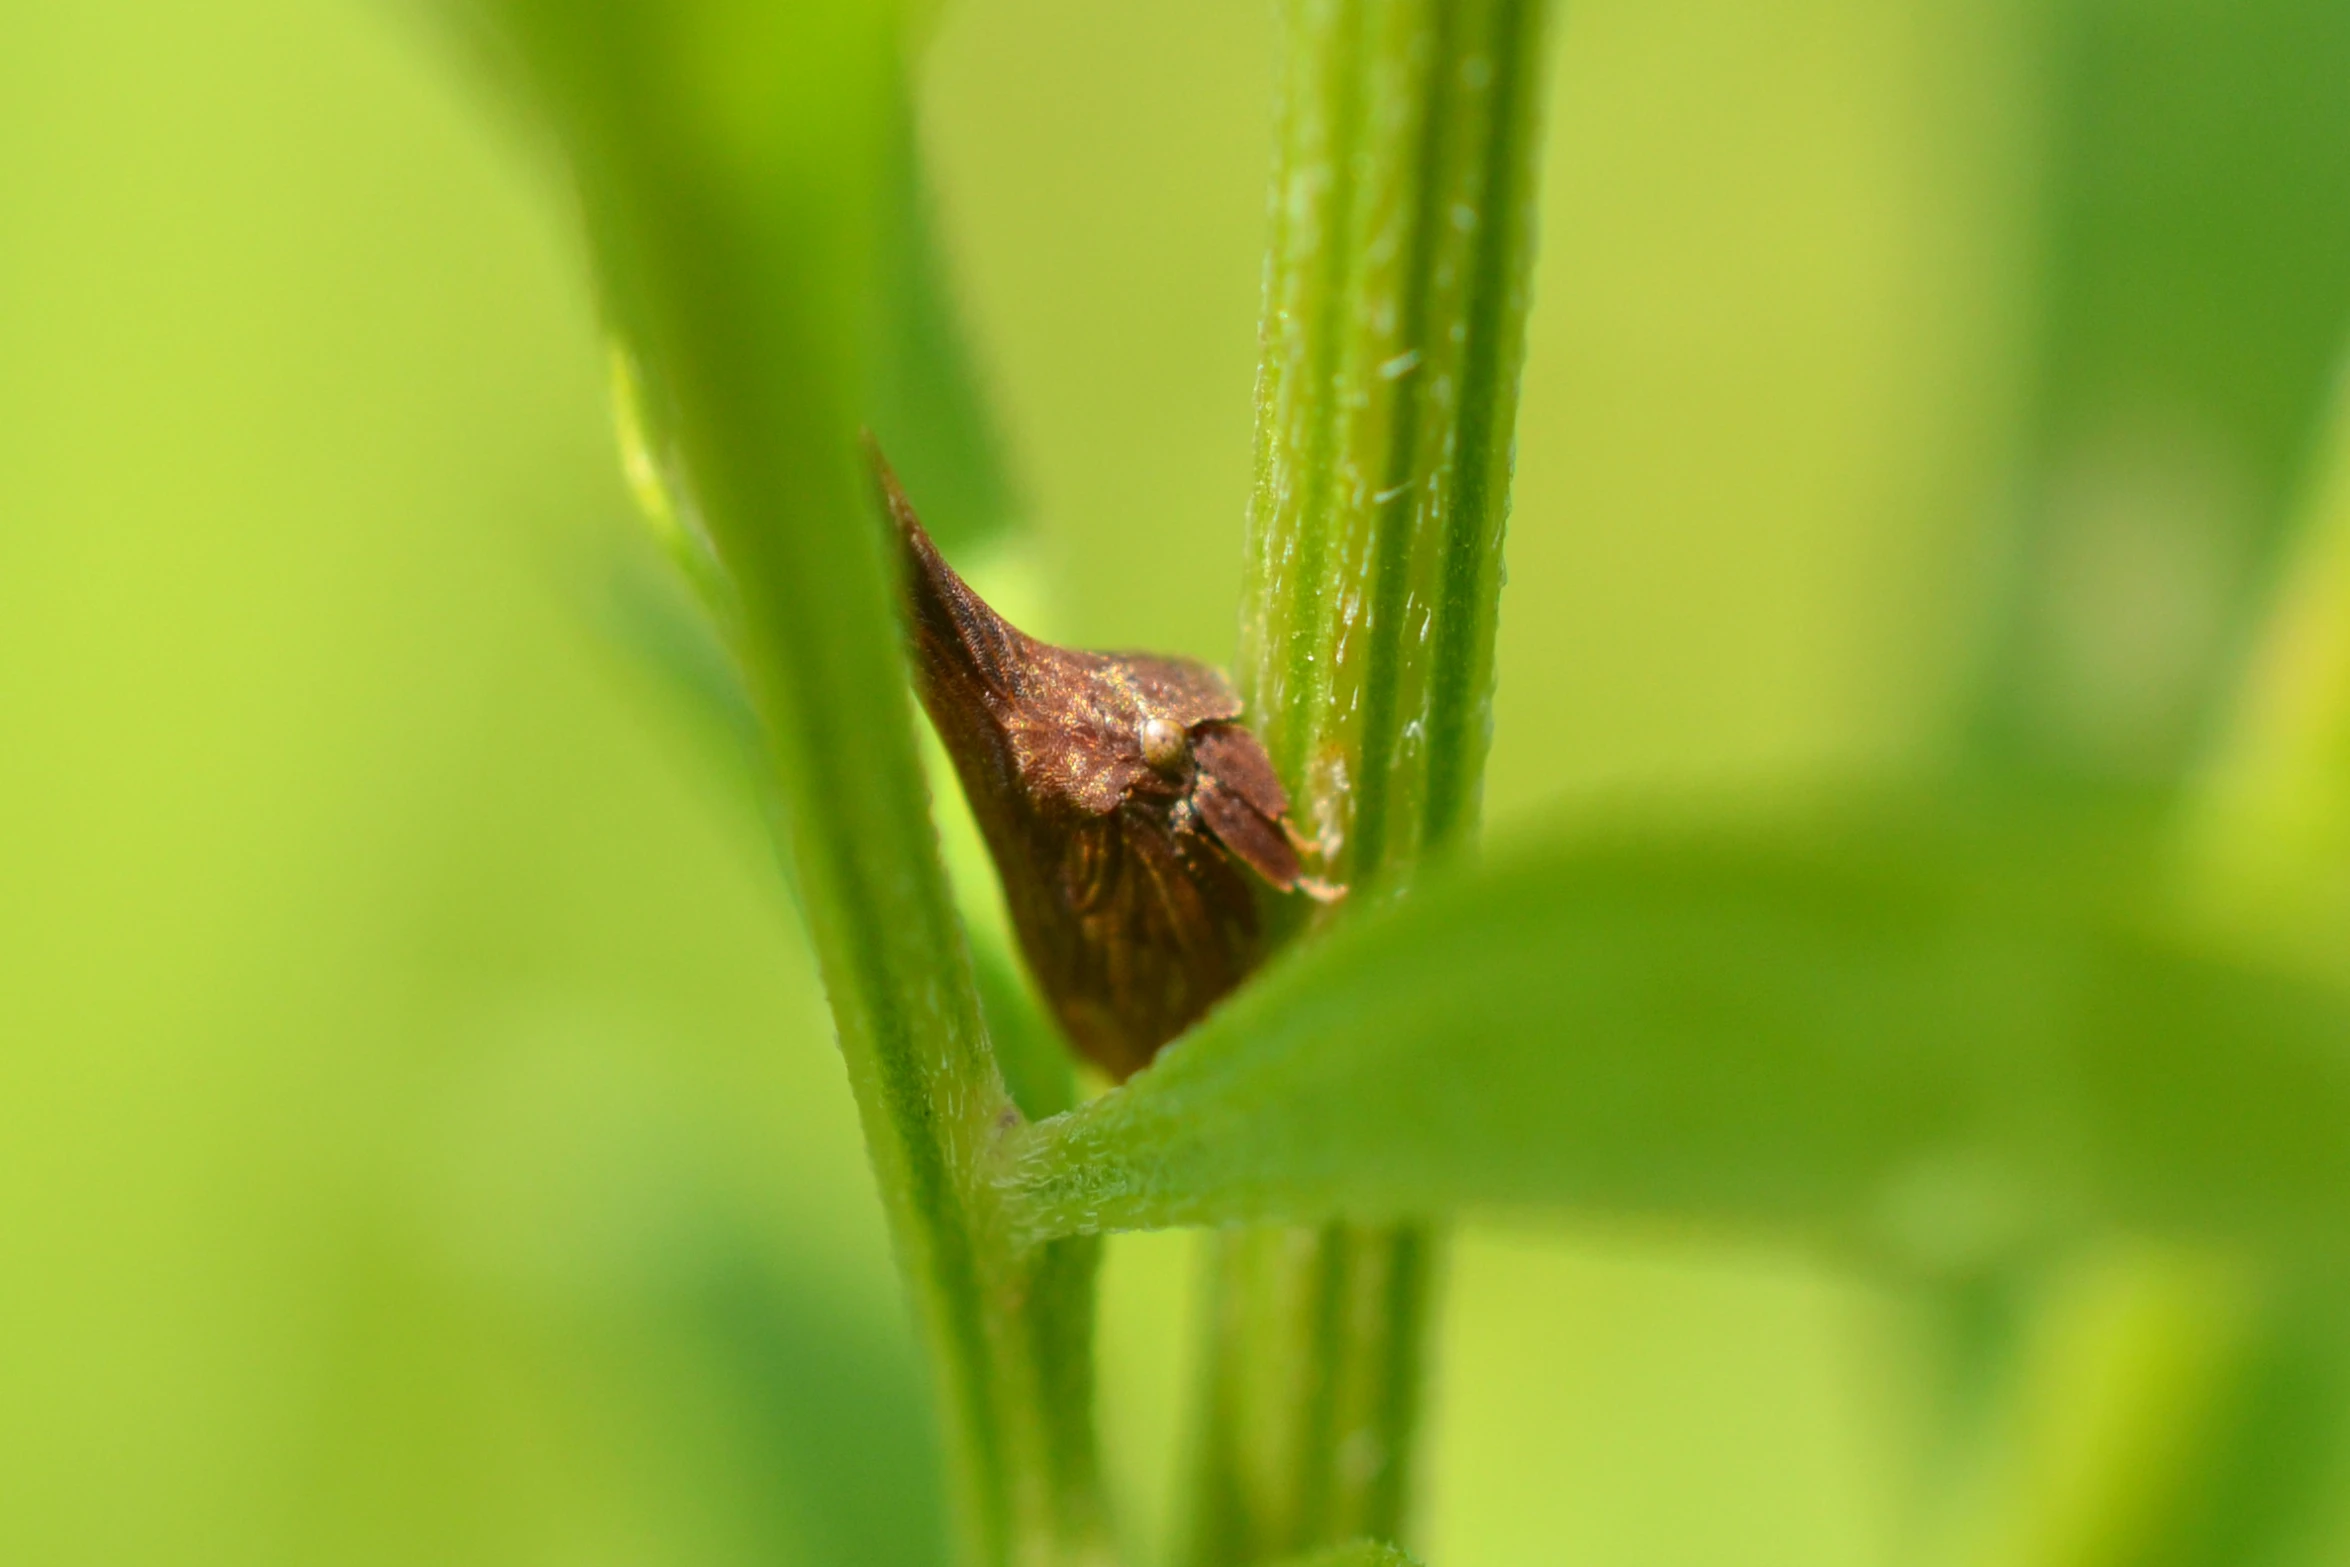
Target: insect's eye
<point x="1163" y="745"/>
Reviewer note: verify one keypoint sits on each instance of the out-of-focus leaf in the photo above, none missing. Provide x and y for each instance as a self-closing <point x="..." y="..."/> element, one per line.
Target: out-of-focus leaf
<point x="1365" y="1553"/>
<point x="2275" y="839"/>
<point x="2160" y="1407"/>
<point x="1887" y="1031"/>
<point x="2273" y="847"/>
<point x="2275" y="1453"/>
<point x="929" y="407"/>
<point x="2196" y="282"/>
<point x="843" y="1427"/>
<point x="650" y="615"/>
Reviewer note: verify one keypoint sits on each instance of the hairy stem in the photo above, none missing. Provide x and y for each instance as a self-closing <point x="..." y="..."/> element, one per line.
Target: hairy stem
<point x="1394" y="330"/>
<point x="733" y="163"/>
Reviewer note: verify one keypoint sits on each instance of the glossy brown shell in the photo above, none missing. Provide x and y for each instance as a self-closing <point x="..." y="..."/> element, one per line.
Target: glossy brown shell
<point x="1131" y="888"/>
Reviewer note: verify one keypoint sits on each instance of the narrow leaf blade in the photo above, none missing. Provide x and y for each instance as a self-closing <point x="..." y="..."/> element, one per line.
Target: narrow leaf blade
<point x="1887" y="1034"/>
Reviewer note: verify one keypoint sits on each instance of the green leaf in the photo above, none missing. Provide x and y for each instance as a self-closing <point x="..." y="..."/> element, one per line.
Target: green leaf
<point x="1890" y="1031"/>
<point x="2272" y="847"/>
<point x="2193" y="290"/>
<point x="2273" y="1462"/>
<point x="2275" y="833"/>
<point x="650" y="616"/>
<point x="929" y="409"/>
<point x="836" y="1424"/>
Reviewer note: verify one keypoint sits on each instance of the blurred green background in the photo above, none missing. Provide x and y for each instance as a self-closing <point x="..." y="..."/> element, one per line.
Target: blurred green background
<point x="420" y="1133"/>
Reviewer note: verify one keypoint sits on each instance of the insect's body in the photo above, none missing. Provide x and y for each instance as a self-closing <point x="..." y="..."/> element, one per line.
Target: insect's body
<point x="1127" y="810"/>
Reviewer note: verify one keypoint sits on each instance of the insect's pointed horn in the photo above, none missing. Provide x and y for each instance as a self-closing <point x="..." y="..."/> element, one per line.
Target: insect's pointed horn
<point x="961" y="640"/>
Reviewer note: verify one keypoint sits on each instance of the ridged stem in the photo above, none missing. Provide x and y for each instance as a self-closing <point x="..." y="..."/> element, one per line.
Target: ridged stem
<point x="1395" y="302"/>
<point x="733" y="163"/>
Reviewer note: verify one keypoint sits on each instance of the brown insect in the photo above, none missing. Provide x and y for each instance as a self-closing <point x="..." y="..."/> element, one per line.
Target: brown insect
<point x="1126" y="809"/>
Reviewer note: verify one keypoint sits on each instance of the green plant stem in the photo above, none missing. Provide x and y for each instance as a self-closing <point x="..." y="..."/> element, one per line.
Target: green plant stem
<point x="731" y="161"/>
<point x="1393" y="337"/>
<point x="1316" y="1340"/>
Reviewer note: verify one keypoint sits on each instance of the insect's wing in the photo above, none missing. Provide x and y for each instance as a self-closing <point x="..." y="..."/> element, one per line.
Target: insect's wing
<point x="1254" y="841"/>
<point x="1242" y="802"/>
<point x="1090" y="865"/>
<point x="1159" y="927"/>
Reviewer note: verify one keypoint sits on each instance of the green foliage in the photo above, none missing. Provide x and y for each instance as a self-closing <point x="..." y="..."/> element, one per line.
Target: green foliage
<point x="1947" y="1043"/>
<point x="929" y="408"/>
<point x="2194" y="288"/>
<point x="423" y="1135"/>
<point x="2274" y="832"/>
<point x="839" y="1429"/>
<point x="652" y="618"/>
<point x="1897" y="1039"/>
